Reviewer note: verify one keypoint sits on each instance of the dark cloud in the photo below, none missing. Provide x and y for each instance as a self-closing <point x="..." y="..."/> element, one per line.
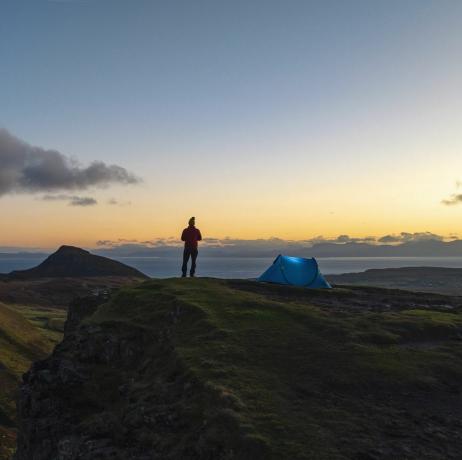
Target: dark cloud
<point x="82" y="201"/>
<point x="72" y="200"/>
<point x="454" y="199"/>
<point x="29" y="169"/>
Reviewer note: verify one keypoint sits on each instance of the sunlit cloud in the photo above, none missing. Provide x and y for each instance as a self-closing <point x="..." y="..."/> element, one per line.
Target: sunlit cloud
<point x="405" y="237"/>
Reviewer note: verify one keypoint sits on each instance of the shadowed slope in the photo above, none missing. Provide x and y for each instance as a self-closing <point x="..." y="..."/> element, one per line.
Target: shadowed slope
<point x="69" y="261"/>
<point x="20" y="343"/>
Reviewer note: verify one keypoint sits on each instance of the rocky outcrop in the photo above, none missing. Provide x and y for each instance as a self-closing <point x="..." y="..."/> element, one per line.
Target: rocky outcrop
<point x="81" y="308"/>
<point x="44" y="405"/>
<point x="112" y="392"/>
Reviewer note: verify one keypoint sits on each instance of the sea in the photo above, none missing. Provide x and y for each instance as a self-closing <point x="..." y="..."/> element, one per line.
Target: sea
<point x="248" y="267"/>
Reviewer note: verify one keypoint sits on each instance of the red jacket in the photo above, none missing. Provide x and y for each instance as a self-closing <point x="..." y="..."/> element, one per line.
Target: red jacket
<point x="191" y="235"/>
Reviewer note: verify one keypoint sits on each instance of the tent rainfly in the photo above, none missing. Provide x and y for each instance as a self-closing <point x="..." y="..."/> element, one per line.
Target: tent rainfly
<point x="295" y="271"/>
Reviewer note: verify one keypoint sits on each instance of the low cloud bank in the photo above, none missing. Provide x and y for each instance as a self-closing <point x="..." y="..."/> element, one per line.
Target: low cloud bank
<point x="405" y="237"/>
<point x="29" y="169"/>
<point x="423" y="244"/>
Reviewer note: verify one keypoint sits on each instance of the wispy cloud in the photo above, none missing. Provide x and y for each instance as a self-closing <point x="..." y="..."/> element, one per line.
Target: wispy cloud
<point x="73" y="200"/>
<point x="29" y="169"/>
<point x="454" y="199"/>
<point x="114" y="202"/>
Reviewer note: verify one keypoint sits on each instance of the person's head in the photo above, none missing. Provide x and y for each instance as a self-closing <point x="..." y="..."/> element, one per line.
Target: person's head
<point x="192" y="221"/>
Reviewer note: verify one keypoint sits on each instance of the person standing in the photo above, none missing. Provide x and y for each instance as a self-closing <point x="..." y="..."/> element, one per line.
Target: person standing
<point x="191" y="236"/>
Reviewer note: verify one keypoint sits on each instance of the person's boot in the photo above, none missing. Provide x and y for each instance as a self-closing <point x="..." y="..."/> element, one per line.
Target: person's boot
<point x="191" y="275"/>
<point x="183" y="275"/>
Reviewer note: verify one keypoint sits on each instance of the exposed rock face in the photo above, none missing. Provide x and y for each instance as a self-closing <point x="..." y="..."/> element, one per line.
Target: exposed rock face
<point x="69" y="261"/>
<point x="100" y="395"/>
<point x="43" y="405"/>
<point x="81" y="308"/>
<point x="54" y="395"/>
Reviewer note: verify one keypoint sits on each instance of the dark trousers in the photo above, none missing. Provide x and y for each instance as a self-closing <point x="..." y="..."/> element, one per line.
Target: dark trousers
<point x="187" y="253"/>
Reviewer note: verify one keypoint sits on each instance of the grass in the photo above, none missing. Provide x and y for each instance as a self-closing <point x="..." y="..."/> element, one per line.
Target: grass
<point x="297" y="374"/>
<point x="32" y="317"/>
<point x="48" y="321"/>
<point x="21" y="342"/>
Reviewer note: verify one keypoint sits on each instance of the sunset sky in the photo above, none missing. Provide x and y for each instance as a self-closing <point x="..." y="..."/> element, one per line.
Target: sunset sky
<point x="261" y="118"/>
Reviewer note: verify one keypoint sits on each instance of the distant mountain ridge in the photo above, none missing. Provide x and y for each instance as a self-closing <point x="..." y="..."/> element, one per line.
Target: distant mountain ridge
<point x="70" y="261"/>
<point x="425" y="279"/>
<point x="273" y="247"/>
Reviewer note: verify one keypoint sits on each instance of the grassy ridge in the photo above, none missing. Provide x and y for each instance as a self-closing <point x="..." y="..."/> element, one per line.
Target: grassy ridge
<point x="303" y="374"/>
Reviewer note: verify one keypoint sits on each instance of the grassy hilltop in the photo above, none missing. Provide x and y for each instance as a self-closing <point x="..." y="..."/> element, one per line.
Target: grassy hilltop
<point x="215" y="369"/>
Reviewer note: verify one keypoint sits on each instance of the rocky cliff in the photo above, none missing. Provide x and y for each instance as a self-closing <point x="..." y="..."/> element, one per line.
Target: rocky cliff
<point x="121" y="392"/>
<point x="212" y="369"/>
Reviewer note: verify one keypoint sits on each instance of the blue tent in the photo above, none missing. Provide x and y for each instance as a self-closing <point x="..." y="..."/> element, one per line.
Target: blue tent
<point x="295" y="271"/>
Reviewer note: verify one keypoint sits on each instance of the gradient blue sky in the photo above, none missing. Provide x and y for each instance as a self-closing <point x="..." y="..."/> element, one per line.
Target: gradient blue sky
<point x="263" y="118"/>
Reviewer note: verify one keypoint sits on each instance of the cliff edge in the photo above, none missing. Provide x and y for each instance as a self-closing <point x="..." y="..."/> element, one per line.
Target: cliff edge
<point x="215" y="369"/>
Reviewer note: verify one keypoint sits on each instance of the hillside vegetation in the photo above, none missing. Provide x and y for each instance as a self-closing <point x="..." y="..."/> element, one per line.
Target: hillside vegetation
<point x="57" y="293"/>
<point x="20" y="344"/>
<point x="215" y="369"/>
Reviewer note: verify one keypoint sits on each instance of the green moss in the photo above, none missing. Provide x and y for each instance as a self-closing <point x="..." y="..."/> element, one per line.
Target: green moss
<point x="290" y="374"/>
